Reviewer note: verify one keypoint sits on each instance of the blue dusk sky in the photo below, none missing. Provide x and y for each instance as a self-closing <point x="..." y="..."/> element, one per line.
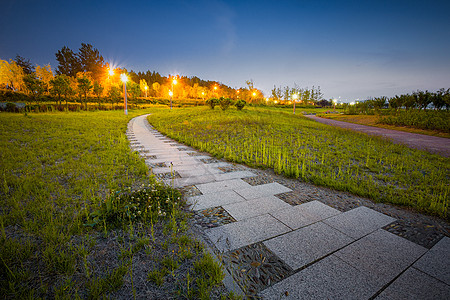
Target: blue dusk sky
<point x="351" y="49"/>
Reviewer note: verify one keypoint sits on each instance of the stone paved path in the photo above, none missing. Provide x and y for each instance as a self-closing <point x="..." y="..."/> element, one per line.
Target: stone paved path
<point x="432" y="144"/>
<point x="319" y="251"/>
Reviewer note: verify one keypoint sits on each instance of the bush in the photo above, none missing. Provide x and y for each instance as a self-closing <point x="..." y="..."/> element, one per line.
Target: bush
<point x="212" y="102"/>
<point x="240" y="104"/>
<point x="124" y="207"/>
<point x="432" y="120"/>
<point x="224" y="103"/>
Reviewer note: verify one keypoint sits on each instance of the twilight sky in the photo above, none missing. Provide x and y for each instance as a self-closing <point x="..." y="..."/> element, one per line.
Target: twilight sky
<point x="351" y="49"/>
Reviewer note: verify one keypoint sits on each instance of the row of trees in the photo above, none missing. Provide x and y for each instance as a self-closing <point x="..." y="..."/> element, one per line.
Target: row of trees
<point x="419" y="100"/>
<point x="302" y="95"/>
<point x="84" y="73"/>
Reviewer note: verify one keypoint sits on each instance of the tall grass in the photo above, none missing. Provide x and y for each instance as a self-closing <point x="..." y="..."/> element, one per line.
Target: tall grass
<point x="301" y="148"/>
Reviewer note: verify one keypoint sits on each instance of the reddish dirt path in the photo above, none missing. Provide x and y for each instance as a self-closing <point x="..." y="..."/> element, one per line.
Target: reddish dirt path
<point x="432" y="144"/>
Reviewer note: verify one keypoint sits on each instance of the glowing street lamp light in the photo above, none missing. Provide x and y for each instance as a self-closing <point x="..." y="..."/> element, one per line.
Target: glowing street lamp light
<point x="294" y="97"/>
<point x="174" y="81"/>
<point x="124" y="79"/>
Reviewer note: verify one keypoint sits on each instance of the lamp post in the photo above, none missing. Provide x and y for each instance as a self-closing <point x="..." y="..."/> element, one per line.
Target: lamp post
<point x="124" y="79"/>
<point x="294" y="97"/>
<point x="174" y="81"/>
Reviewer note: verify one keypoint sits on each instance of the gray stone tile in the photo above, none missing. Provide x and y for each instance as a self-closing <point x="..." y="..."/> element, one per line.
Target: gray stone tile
<point x="214" y="199"/>
<point x="160" y="170"/>
<point x="306" y="245"/>
<point x="180" y="182"/>
<point x="215" y="187"/>
<point x="305" y="214"/>
<point x="381" y="255"/>
<point x="414" y="284"/>
<point x="262" y="190"/>
<point x="234" y="175"/>
<point x="358" y="222"/>
<point x="198" y="172"/>
<point x="436" y="262"/>
<point x="329" y="278"/>
<point x="255" y="207"/>
<point x="238" y="234"/>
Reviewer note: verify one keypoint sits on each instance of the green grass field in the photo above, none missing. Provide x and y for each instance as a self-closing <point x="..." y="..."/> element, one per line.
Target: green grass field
<point x="76" y="220"/>
<point x="297" y="147"/>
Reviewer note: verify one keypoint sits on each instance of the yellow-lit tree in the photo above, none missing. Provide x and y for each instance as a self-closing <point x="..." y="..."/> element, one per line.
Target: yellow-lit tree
<point x="11" y="75"/>
<point x="45" y="75"/>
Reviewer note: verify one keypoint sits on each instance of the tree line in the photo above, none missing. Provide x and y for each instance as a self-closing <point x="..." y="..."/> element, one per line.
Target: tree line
<point x="84" y="74"/>
<point x="418" y="100"/>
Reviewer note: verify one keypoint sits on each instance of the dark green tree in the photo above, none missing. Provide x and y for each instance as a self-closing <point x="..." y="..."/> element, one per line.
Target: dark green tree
<point x="91" y="61"/>
<point x="34" y="86"/>
<point x="60" y="86"/>
<point x="84" y="87"/>
<point x="98" y="90"/>
<point x="114" y="95"/>
<point x="25" y="64"/>
<point x="68" y="62"/>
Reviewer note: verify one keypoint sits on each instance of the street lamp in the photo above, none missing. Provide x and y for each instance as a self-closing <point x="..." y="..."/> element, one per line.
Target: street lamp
<point x="124" y="79"/>
<point x="294" y="97"/>
<point x="174" y="81"/>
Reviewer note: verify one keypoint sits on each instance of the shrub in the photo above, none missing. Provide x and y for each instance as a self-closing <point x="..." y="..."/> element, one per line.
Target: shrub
<point x="124" y="207"/>
<point x="224" y="103"/>
<point x="212" y="102"/>
<point x="240" y="104"/>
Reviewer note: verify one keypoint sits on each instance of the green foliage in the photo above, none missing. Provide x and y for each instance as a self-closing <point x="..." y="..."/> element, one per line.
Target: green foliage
<point x="240" y="104"/>
<point x="224" y="103"/>
<point x="298" y="147"/>
<point x="210" y="269"/>
<point x="212" y="102"/>
<point x="432" y="120"/>
<point x="157" y="276"/>
<point x="129" y="206"/>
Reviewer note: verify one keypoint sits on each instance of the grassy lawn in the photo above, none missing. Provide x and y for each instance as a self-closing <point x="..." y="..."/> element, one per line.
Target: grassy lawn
<point x="80" y="218"/>
<point x="373" y="120"/>
<point x="301" y="148"/>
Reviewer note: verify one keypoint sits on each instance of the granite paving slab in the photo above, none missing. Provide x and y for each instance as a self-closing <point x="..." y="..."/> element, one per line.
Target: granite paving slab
<point x="214" y="199"/>
<point x="255" y="207"/>
<point x="330" y="278"/>
<point x="414" y="284"/>
<point x="214" y="187"/>
<point x="436" y="262"/>
<point x="305" y="214"/>
<point x="381" y="255"/>
<point x="199" y="172"/>
<point x="359" y="221"/>
<point x="308" y="244"/>
<point x="234" y="175"/>
<point x="239" y="234"/>
<point x="258" y="191"/>
<point x="180" y="182"/>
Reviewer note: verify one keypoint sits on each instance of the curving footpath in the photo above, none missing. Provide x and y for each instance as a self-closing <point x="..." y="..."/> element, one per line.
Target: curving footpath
<point x="429" y="143"/>
<point x="316" y="251"/>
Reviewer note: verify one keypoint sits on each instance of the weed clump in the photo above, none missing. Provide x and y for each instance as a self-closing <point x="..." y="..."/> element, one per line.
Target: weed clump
<point x="128" y="206"/>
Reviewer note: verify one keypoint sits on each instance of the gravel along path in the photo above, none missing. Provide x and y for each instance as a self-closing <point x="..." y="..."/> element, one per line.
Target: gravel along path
<point x="429" y="143"/>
